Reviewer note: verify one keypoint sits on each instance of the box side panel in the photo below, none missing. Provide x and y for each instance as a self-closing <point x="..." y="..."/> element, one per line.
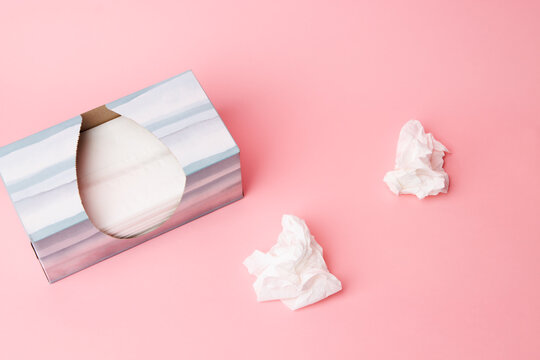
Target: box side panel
<point x="81" y="246"/>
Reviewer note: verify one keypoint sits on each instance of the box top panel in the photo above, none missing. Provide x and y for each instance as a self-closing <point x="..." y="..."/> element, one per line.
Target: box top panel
<point x="39" y="170"/>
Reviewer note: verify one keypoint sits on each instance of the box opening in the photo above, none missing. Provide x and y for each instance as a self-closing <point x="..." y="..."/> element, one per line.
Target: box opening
<point x="130" y="183"/>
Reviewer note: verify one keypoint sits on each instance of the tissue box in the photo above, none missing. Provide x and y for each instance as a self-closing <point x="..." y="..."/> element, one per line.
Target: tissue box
<point x="40" y="175"/>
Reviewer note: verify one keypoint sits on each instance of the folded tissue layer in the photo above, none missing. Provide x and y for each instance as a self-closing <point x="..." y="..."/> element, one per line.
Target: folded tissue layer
<point x="419" y="163"/>
<point x="294" y="270"/>
<point x="129" y="181"/>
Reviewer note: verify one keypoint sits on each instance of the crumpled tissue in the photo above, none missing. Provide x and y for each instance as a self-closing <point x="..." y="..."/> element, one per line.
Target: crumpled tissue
<point x="294" y="270"/>
<point x="419" y="163"/>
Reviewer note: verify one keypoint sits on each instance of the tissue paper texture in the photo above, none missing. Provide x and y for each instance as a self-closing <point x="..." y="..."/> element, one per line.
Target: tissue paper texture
<point x="294" y="270"/>
<point x="130" y="183"/>
<point x="40" y="176"/>
<point x="419" y="163"/>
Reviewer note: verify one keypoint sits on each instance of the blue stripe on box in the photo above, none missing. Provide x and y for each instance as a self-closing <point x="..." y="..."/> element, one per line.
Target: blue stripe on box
<point x="201" y="164"/>
<point x="40" y="136"/>
<point x="179" y="116"/>
<point x="58" y="226"/>
<point x="42" y="175"/>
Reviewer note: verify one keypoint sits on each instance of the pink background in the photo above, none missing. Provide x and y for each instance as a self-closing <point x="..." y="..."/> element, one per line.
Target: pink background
<point x="315" y="94"/>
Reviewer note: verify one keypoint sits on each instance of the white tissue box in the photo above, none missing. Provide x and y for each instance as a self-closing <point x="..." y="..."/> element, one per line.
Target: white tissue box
<point x="40" y="173"/>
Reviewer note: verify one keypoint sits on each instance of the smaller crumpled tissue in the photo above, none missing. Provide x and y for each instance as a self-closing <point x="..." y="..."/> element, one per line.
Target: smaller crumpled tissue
<point x="294" y="270"/>
<point x="419" y="163"/>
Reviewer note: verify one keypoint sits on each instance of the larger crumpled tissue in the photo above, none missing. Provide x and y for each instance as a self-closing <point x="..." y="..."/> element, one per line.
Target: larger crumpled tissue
<point x="294" y="270"/>
<point x="419" y="163"/>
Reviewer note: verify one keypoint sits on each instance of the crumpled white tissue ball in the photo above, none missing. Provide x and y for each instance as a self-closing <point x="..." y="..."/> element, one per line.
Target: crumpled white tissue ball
<point x="419" y="163"/>
<point x="294" y="270"/>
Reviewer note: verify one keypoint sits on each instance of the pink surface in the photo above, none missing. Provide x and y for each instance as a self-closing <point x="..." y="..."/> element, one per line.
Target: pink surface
<point x="315" y="94"/>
